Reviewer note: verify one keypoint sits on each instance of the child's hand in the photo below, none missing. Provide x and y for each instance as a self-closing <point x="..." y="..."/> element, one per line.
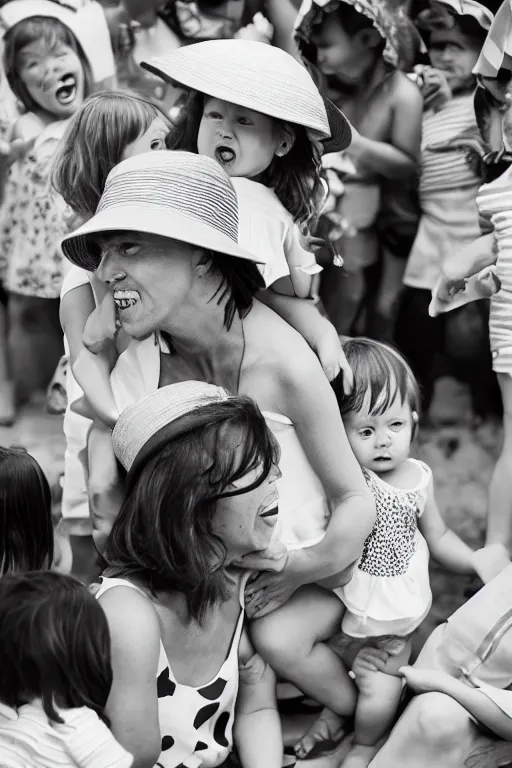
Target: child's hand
<point x="425" y="680"/>
<point x="259" y="30"/>
<point x="101" y="326"/>
<point x="369" y="660"/>
<point x="333" y="360"/>
<point x="434" y="88"/>
<point x="490" y="561"/>
<point x="12" y="151"/>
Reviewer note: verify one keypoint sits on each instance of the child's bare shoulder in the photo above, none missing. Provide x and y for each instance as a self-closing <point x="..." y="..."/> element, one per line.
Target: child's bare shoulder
<point x="404" y="90"/>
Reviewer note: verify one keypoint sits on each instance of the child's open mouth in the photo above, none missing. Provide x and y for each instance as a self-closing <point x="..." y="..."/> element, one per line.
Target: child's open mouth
<point x="66" y="92"/>
<point x="126" y="299"/>
<point x="225" y="155"/>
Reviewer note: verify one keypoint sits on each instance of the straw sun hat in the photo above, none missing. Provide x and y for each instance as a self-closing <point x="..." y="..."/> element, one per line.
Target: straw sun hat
<point x="148" y="424"/>
<point x="259" y="77"/>
<point x="177" y="195"/>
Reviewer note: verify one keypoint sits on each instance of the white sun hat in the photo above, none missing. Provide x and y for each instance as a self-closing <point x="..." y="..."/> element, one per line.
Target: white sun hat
<point x="256" y="76"/>
<point x="140" y="429"/>
<point x="177" y="195"/>
<point x="86" y="20"/>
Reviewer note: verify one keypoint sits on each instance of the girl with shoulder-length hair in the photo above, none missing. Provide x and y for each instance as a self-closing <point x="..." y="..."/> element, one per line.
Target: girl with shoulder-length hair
<point x="56" y="675"/>
<point x="26" y="530"/>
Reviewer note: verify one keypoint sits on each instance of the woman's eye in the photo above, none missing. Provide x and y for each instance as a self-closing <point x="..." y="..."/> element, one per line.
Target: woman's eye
<point x="156" y="143"/>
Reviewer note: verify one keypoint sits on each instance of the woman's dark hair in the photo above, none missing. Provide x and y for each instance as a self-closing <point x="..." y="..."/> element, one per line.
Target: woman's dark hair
<point x="295" y="177"/>
<point x="240" y="281"/>
<point x="26" y="529"/>
<point x="38" y="28"/>
<point x="380" y="370"/>
<point x="55" y="644"/>
<point x="163" y="533"/>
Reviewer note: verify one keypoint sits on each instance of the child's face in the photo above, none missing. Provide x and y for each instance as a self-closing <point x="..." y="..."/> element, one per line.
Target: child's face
<point x="244" y="142"/>
<point x="54" y="77"/>
<point x="380" y="442"/>
<point x="152" y="139"/>
<point x="455" y="55"/>
<point x="347" y="57"/>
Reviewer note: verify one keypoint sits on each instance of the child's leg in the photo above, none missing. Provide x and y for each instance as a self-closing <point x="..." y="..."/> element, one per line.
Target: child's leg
<point x="377" y="704"/>
<point x="35" y="342"/>
<point x="291" y="640"/>
<point x="499" y="515"/>
<point x="7" y="404"/>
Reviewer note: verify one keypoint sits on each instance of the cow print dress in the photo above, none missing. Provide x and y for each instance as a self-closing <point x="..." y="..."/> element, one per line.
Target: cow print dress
<point x="196" y="724"/>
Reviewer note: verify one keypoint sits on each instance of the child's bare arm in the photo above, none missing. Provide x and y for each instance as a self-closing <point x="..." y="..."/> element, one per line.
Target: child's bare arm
<point x="398" y="158"/>
<point x="75" y="308"/>
<point x="444" y="545"/>
<point x="257" y="728"/>
<point x="104" y="486"/>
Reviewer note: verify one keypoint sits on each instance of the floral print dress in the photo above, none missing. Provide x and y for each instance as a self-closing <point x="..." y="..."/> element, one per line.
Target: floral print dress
<point x="33" y="221"/>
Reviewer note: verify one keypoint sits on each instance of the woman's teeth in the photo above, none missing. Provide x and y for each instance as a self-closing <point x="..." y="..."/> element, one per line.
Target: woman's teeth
<point x="225" y="155"/>
<point x="126" y="299"/>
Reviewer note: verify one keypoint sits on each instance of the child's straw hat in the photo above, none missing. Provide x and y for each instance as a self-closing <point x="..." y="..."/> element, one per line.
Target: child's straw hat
<point x="86" y="20"/>
<point x="177" y="195"/>
<point x="259" y="77"/>
<point x="141" y="428"/>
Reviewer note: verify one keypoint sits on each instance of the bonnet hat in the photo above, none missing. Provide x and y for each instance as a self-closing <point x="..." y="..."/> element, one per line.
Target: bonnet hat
<point x="84" y="18"/>
<point x="177" y="195"/>
<point x="142" y="428"/>
<point x="259" y="77"/>
<point x="387" y="16"/>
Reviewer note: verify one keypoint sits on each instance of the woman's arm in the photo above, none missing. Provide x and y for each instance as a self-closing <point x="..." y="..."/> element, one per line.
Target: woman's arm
<point x="475" y="257"/>
<point x="257" y="730"/>
<point x="473" y="700"/>
<point x="398" y="158"/>
<point x="133" y="702"/>
<point x="319" y="333"/>
<point x="444" y="545"/>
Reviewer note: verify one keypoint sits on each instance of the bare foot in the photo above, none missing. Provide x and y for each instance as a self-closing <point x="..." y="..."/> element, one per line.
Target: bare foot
<point x="323" y="736"/>
<point x="359" y="756"/>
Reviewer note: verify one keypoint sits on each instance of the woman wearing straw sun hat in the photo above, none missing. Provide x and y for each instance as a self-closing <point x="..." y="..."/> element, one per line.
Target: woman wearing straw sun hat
<point x="200" y="493"/>
<point x="164" y="238"/>
<point x="257" y="112"/>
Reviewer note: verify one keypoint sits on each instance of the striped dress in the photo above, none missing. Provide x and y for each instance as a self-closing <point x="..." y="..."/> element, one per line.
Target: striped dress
<point x="495" y="201"/>
<point x="449" y="182"/>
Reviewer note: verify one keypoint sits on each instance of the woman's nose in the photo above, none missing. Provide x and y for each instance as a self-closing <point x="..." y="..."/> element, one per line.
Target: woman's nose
<point x="108" y="270"/>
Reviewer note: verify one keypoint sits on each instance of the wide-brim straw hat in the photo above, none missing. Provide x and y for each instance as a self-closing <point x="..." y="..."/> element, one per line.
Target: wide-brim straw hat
<point x="176" y="195"/>
<point x="142" y="428"/>
<point x="86" y="20"/>
<point x="259" y="77"/>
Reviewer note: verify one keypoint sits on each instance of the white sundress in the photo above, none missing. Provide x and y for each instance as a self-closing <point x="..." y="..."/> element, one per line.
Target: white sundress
<point x="389" y="593"/>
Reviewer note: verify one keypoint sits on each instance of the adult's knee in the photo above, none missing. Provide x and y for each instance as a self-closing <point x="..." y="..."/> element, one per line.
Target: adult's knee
<point x="439" y="720"/>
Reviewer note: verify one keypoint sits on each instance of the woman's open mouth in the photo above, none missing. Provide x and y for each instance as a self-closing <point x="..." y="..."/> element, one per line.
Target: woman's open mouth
<point x="225" y="155"/>
<point x="126" y="299"/>
<point x="66" y="92"/>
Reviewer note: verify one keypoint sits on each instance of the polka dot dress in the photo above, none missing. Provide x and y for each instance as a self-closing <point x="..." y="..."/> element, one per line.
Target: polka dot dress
<point x="196" y="724"/>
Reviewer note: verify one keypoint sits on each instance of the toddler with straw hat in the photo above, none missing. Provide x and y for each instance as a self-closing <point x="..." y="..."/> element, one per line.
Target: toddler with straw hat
<point x="257" y="112"/>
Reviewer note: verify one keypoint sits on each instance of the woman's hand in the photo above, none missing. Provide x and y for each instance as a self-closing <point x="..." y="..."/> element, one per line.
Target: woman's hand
<point x="333" y="359"/>
<point x="426" y="680"/>
<point x="446" y="289"/>
<point x="271" y="590"/>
